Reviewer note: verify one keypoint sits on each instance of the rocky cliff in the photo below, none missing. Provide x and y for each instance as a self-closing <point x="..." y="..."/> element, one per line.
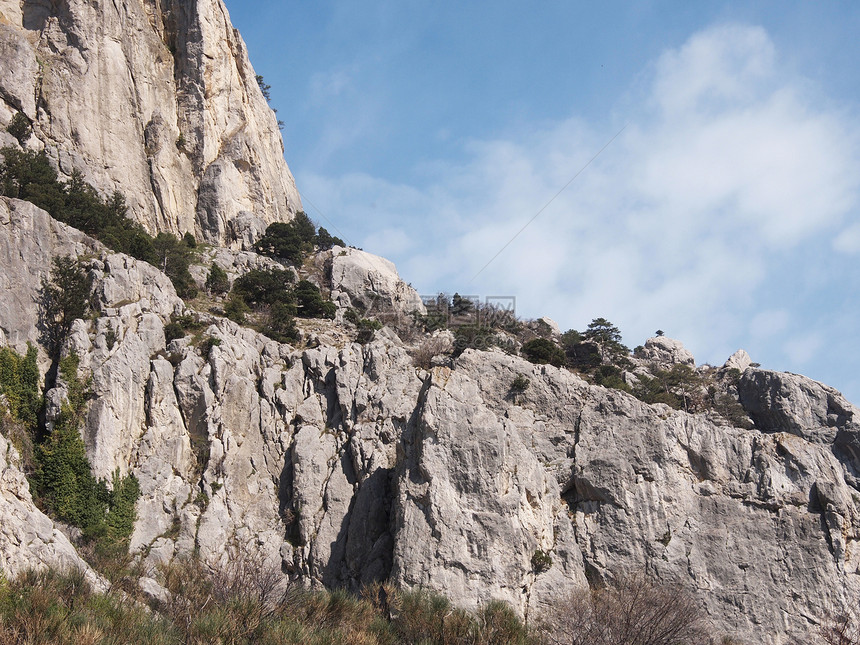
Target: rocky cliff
<point x="345" y="463"/>
<point x="155" y="99"/>
<point x="340" y="462"/>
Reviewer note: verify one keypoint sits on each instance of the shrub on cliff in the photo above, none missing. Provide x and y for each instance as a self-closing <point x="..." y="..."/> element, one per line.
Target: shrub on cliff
<point x="19" y="127"/>
<point x="173" y="257"/>
<point x="19" y="383"/>
<point x="542" y="350"/>
<point x="217" y="283"/>
<point x="63" y="481"/>
<point x="310" y="302"/>
<point x="290" y="241"/>
<point x="65" y="297"/>
<point x="294" y="240"/>
<point x="265" y="287"/>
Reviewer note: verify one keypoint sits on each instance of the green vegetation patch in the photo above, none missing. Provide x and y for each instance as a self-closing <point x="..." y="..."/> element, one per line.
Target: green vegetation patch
<point x="19" y="383"/>
<point x="294" y="240"/>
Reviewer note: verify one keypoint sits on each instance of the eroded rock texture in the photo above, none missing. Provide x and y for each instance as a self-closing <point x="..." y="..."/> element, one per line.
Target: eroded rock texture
<point x="154" y="99"/>
<point x="344" y="463"/>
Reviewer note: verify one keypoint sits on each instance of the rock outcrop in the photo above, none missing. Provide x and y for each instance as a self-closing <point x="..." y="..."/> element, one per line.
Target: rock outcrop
<point x="154" y="99"/>
<point x="347" y="464"/>
<point x="371" y="283"/>
<point x="29" y="240"/>
<point x="783" y="402"/>
<point x="662" y="352"/>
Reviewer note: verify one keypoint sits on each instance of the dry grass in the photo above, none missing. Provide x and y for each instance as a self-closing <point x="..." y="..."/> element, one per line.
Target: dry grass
<point x="245" y="603"/>
<point x="633" y="612"/>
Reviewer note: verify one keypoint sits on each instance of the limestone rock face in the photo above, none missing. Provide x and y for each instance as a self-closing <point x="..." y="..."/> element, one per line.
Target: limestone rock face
<point x="781" y="402"/>
<point x="666" y="352"/>
<point x="29" y="239"/>
<point x="154" y="99"/>
<point x="740" y="360"/>
<point x="345" y="463"/>
<point x="480" y="488"/>
<point x="371" y="283"/>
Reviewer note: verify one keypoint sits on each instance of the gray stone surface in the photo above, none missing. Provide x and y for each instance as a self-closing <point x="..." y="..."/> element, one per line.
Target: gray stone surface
<point x="371" y="283"/>
<point x="29" y="239"/>
<point x="783" y="402"/>
<point x="157" y="100"/>
<point x="345" y="463"/>
<point x="740" y="360"/>
<point x="663" y="351"/>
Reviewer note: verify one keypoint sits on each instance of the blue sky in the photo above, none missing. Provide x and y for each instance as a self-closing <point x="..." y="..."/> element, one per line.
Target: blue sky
<point x="725" y="213"/>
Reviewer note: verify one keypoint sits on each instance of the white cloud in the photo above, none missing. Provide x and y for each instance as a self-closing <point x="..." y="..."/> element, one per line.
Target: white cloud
<point x="715" y="67"/>
<point x="726" y="164"/>
<point x="848" y="241"/>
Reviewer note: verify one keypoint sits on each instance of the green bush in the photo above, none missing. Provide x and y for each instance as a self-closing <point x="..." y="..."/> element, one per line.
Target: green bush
<point x="19" y="127"/>
<point x="265" y="287"/>
<point x="281" y="325"/>
<point x="583" y="356"/>
<point x="65" y="297"/>
<point x="674" y="387"/>
<point x="461" y="306"/>
<point x="121" y="502"/>
<point x="610" y="376"/>
<point x="180" y="325"/>
<point x="29" y="175"/>
<point x="367" y="327"/>
<point x="542" y="350"/>
<point x="173" y="257"/>
<point x="472" y="336"/>
<point x="325" y="240"/>
<point x="541" y="561"/>
<point x="235" y="308"/>
<point x="276" y="303"/>
<point x="217" y="283"/>
<point x="520" y="384"/>
<point x="63" y="480"/>
<point x="607" y="337"/>
<point x="19" y="382"/>
<point x="290" y="241"/>
<point x="294" y="240"/>
<point x="172" y="331"/>
<point x="207" y="345"/>
<point x="310" y="302"/>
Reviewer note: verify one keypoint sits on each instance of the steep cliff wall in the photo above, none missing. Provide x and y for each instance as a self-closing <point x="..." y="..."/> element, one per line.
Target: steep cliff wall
<point x="155" y="99"/>
<point x="347" y="463"/>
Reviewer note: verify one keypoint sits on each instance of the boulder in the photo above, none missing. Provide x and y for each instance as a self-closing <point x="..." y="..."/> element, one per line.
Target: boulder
<point x="784" y="402"/>
<point x="372" y="284"/>
<point x="665" y="352"/>
<point x="740" y="360"/>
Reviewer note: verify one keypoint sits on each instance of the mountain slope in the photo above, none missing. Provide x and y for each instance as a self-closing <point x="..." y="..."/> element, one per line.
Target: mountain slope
<point x="346" y="463"/>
